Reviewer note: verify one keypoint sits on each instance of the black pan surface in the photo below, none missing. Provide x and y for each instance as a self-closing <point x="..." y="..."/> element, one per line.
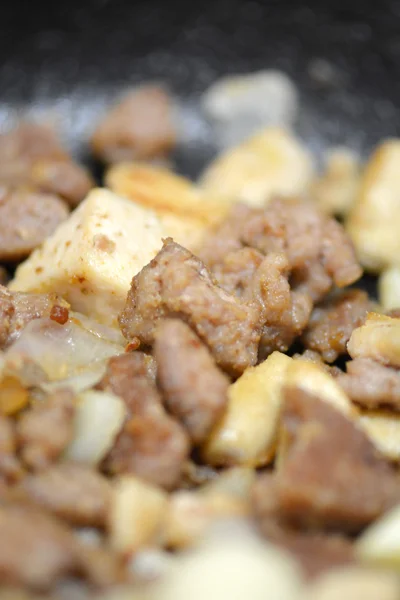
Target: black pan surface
<point x="71" y="58"/>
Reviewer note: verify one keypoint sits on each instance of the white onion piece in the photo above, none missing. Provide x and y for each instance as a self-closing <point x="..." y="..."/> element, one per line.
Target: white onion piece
<point x="111" y="334"/>
<point x="61" y="350"/>
<point x="98" y="420"/>
<point x="83" y="380"/>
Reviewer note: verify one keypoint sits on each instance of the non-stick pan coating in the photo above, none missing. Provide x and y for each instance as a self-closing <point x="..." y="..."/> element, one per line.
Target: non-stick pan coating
<point x="75" y="56"/>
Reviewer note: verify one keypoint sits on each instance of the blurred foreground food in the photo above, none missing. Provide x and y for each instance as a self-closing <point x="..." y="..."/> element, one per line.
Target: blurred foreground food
<point x="195" y="400"/>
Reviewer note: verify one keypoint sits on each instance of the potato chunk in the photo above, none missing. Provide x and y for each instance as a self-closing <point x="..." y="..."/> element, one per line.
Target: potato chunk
<point x="378" y="338"/>
<point x="184" y="210"/>
<point x="91" y="258"/>
<point x="374" y="222"/>
<point x="269" y="163"/>
<point x="389" y="288"/>
<point x="246" y="435"/>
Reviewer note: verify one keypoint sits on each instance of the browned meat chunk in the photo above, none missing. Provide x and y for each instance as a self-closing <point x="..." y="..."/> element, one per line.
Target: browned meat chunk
<point x="35" y="550"/>
<point x="139" y="127"/>
<point x="27" y="219"/>
<point x="44" y="431"/>
<point x="75" y="493"/>
<point x="17" y="309"/>
<point x="286" y="312"/>
<point x="332" y="477"/>
<point x="236" y="270"/>
<point x="175" y="282"/>
<point x="4" y="276"/>
<point x="226" y="238"/>
<point x="332" y="323"/>
<point x="371" y="384"/>
<point x="314" y="357"/>
<point x="309" y="239"/>
<point x="31" y="156"/>
<point x="10" y="468"/>
<point x="316" y="552"/>
<point x="152" y="445"/>
<point x="195" y="390"/>
<point x="64" y="178"/>
<point x="308" y="254"/>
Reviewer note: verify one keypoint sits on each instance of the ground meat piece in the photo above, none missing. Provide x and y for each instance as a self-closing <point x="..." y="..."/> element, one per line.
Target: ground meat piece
<point x="31" y="156"/>
<point x="17" y="309"/>
<point x="35" y="550"/>
<point x="236" y="270"/>
<point x="151" y="444"/>
<point x="313" y="280"/>
<point x="332" y="323"/>
<point x="10" y="467"/>
<point x="195" y="390"/>
<point x="371" y="384"/>
<point x="297" y="228"/>
<point x="75" y="493"/>
<point x="316" y="358"/>
<point x="332" y="477"/>
<point x="177" y="283"/>
<point x="27" y="219"/>
<point x="63" y="178"/>
<point x="139" y="127"/>
<point x="44" y="431"/>
<point x="315" y="551"/>
<point x="286" y="312"/>
<point x="280" y="336"/>
<point x="226" y="238"/>
<point x="338" y="255"/>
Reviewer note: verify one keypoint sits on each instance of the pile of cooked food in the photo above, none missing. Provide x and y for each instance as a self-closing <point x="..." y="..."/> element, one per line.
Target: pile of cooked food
<point x="198" y="398"/>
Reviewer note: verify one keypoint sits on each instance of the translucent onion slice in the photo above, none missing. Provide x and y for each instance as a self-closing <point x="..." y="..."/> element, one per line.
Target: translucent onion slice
<point x="62" y="351"/>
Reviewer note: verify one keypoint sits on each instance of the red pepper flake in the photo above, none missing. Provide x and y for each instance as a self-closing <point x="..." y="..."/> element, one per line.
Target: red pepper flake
<point x="133" y="345"/>
<point x="59" y="314"/>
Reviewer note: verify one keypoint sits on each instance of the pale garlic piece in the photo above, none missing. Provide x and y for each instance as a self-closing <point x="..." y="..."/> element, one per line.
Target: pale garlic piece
<point x="378" y="338"/>
<point x="246" y="435"/>
<point x="383" y="428"/>
<point x="137" y="514"/>
<point x="240" y="105"/>
<point x="380" y="543"/>
<point x="231" y="563"/>
<point x="354" y="583"/>
<point x="272" y="162"/>
<point x="374" y="222"/>
<point x="99" y="418"/>
<point x="336" y="189"/>
<point x="389" y="288"/>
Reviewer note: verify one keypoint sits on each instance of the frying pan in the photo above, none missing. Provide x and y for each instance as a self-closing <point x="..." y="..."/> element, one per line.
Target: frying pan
<point x="70" y="59"/>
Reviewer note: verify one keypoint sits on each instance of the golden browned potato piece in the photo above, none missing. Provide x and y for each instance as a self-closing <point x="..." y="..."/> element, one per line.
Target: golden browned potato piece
<point x="184" y="210"/>
<point x="272" y="162"/>
<point x="380" y="543"/>
<point x="374" y="222"/>
<point x="378" y="338"/>
<point x="383" y="428"/>
<point x="336" y="189"/>
<point x="247" y="433"/>
<point x="389" y="288"/>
